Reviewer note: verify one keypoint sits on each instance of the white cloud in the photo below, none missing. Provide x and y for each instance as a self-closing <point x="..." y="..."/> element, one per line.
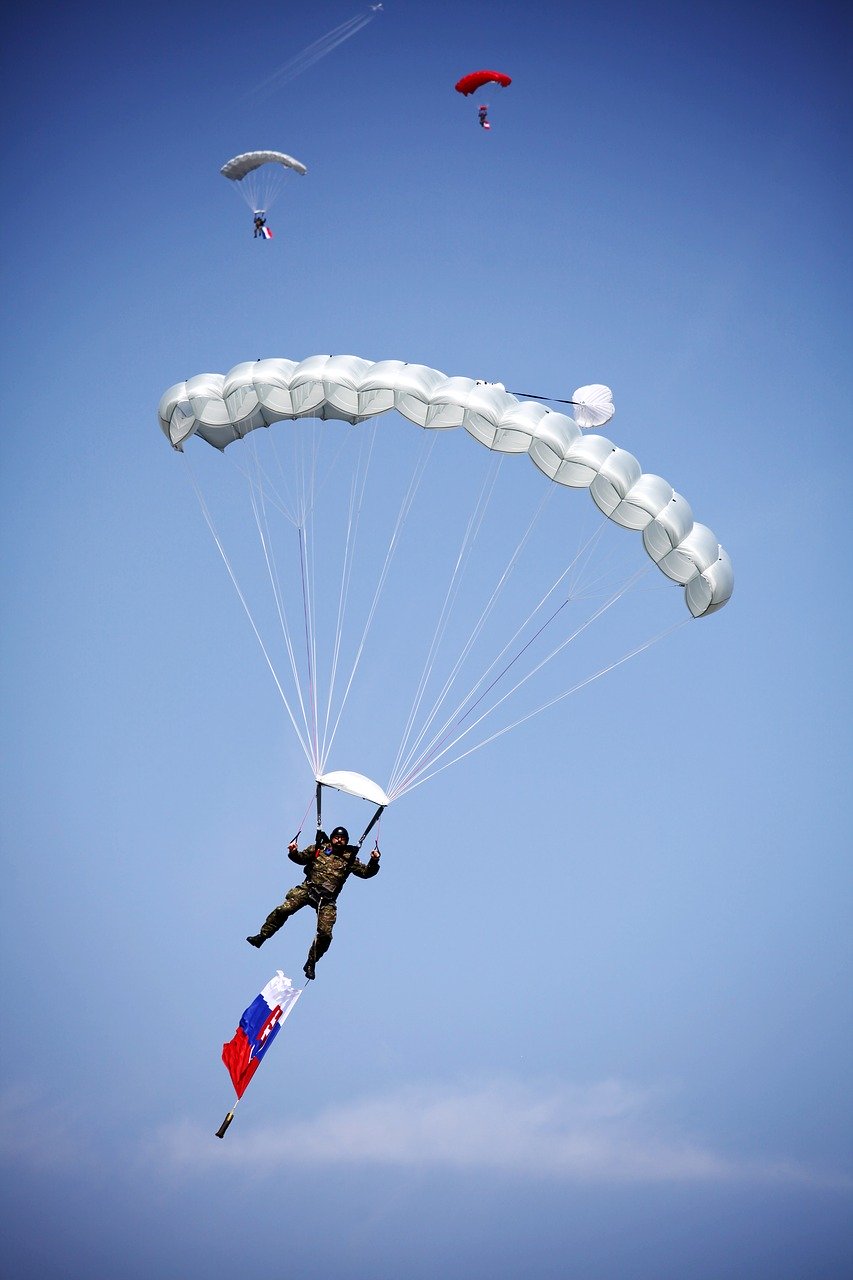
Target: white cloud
<point x="607" y="1132"/>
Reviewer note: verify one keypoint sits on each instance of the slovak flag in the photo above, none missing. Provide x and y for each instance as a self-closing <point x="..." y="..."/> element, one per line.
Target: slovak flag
<point x="258" y="1027"/>
<point x="266" y="233"/>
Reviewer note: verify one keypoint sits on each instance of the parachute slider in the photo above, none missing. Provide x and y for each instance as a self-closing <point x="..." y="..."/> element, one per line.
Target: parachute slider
<point x="353" y="784"/>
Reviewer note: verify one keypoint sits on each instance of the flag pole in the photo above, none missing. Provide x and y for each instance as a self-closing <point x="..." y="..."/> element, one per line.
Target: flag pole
<point x="220" y="1132"/>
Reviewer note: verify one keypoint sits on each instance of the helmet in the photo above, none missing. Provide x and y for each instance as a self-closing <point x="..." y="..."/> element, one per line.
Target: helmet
<point x="340" y="831"/>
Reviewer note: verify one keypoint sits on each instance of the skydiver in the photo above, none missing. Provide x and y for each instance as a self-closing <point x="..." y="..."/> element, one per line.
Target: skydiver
<point x="260" y="223"/>
<point x="483" y="116"/>
<point x="327" y="865"/>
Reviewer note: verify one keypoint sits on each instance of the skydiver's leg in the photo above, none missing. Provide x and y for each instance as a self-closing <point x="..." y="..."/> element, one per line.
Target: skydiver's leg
<point x="295" y="900"/>
<point x="327" y="914"/>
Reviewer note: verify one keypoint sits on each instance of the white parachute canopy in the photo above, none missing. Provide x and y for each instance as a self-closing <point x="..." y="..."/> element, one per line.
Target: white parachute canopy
<point x="494" y="593"/>
<point x="258" y="175"/>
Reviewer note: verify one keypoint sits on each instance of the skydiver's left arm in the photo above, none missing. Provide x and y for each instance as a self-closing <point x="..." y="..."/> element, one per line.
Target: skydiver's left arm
<point x="367" y="869"/>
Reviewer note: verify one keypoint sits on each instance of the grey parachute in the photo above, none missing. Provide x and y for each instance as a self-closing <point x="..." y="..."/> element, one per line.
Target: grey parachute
<point x="223" y="409"/>
<point x="258" y="175"/>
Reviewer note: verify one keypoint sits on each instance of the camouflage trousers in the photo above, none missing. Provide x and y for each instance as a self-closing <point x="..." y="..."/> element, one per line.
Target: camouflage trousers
<point x="304" y="895"/>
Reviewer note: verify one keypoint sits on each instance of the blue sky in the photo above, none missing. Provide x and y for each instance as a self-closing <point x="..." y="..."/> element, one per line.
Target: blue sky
<point x="593" y="1017"/>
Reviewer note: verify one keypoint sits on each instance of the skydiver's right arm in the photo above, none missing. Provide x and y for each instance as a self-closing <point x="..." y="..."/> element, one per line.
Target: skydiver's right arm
<point x="300" y="857"/>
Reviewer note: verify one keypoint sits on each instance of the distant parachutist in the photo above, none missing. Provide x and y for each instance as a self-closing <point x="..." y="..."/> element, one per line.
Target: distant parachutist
<point x="476" y="80"/>
<point x="257" y="175"/>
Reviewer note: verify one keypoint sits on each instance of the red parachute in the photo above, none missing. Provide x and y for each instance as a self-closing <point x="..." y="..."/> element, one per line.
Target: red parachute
<point x="476" y="79"/>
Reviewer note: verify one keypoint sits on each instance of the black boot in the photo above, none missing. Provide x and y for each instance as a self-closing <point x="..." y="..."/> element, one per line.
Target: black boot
<point x="308" y="968"/>
<point x="256" y="939"/>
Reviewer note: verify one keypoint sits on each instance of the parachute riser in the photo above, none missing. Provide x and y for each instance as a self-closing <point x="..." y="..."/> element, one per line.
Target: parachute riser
<point x="371" y="824"/>
<point x="356" y="849"/>
<point x="319" y="811"/>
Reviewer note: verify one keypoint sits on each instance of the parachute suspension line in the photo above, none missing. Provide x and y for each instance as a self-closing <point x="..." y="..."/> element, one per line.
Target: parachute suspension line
<point x="468" y="540"/>
<point x="614" y="598"/>
<point x="310" y="643"/>
<point x="273" y="497"/>
<point x="226" y="561"/>
<point x="357" y="488"/>
<point x="301" y="475"/>
<point x="290" y="496"/>
<point x="311" y="481"/>
<point x="305" y="475"/>
<point x="572" y="596"/>
<point x="457" y="714"/>
<point x="580" y="562"/>
<point x="304" y="470"/>
<point x="433" y="754"/>
<point x="260" y="188"/>
<point x="256" y="494"/>
<point x="601" y="580"/>
<point x="405" y="508"/>
<point x="343" y="592"/>
<point x="402" y="514"/>
<point x="410" y="749"/>
<point x="302" y="820"/>
<point x="617" y="595"/>
<point x="457" y="719"/>
<point x="545" y="706"/>
<point x="472" y="639"/>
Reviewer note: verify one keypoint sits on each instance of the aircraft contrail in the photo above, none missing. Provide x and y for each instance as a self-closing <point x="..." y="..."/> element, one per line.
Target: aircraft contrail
<point x="314" y="52"/>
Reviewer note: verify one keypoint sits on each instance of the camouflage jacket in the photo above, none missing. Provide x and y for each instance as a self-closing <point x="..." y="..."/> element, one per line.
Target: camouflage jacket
<point x="327" y="870"/>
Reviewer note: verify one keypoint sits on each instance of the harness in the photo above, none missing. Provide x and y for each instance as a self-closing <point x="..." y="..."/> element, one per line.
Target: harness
<point x="319" y="897"/>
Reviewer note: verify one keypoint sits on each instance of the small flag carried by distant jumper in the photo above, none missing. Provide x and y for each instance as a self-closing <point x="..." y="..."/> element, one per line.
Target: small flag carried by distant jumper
<point x="266" y="233"/>
<point x="259" y="1026"/>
